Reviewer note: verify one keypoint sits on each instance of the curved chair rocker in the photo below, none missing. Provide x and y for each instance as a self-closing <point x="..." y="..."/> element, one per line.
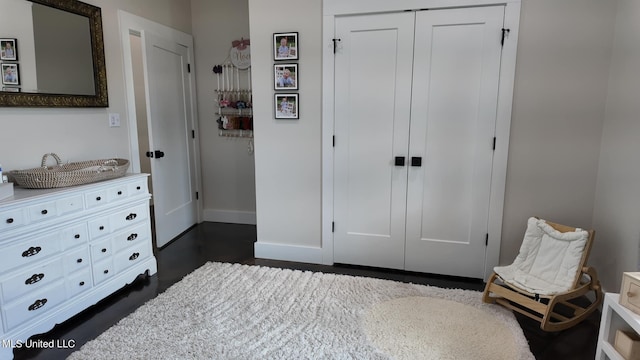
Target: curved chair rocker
<point x="548" y="276"/>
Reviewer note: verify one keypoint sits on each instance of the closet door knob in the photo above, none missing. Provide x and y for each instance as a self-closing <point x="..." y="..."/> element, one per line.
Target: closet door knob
<point x="416" y="161"/>
<point x="399" y="161"/>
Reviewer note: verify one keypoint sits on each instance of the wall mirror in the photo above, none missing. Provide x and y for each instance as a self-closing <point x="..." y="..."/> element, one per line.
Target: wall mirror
<point x="52" y="54"/>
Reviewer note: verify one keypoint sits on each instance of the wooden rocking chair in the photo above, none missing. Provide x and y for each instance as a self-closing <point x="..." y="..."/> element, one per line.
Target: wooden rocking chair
<point x="549" y="279"/>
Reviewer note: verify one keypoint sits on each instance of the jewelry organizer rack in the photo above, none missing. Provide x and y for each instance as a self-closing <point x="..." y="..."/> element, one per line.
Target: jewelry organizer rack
<point x="235" y="114"/>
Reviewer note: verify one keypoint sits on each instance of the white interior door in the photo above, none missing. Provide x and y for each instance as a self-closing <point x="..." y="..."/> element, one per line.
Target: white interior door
<point x="372" y="111"/>
<point x="170" y="125"/>
<point x="454" y="101"/>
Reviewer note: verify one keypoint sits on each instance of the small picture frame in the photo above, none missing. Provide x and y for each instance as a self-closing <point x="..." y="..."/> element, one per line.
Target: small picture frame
<point x="9" y="49"/>
<point x="10" y="74"/>
<point x="285" y="46"/>
<point x="285" y="76"/>
<point x="286" y="106"/>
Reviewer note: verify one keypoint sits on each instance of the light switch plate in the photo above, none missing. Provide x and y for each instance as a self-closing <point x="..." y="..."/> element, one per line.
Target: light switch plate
<point x="114" y="120"/>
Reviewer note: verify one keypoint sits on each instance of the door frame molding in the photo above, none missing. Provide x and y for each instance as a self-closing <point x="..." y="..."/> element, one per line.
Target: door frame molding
<point x="132" y="24"/>
<point x="336" y="8"/>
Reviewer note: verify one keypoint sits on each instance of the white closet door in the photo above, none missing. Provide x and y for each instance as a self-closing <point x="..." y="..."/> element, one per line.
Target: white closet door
<point x="173" y="180"/>
<point x="372" y="105"/>
<point x="454" y="98"/>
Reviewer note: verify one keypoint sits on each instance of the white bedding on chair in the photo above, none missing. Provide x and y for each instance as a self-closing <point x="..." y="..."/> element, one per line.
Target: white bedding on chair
<point x="548" y="259"/>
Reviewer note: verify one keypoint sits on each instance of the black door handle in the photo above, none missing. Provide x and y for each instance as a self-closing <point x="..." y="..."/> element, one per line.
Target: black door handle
<point x="149" y="154"/>
<point x="416" y="161"/>
<point x="158" y="154"/>
<point x="399" y="161"/>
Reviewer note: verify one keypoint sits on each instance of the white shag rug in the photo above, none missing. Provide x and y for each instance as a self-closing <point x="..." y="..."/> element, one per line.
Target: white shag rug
<point x="231" y="311"/>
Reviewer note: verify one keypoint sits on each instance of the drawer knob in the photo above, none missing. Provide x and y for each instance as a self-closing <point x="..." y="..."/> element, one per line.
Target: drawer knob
<point x="630" y="294"/>
<point x="34" y="279"/>
<point x="119" y="192"/>
<point x="9" y="220"/>
<point x="131" y="216"/>
<point x="98" y="198"/>
<point x="101" y="228"/>
<point x="37" y="304"/>
<point x="44" y="212"/>
<point x="77" y="236"/>
<point x="134" y="256"/>
<point x="106" y="271"/>
<point x="81" y="283"/>
<point x="104" y="250"/>
<point x="31" y="251"/>
<point x="79" y="260"/>
<point x="132" y="237"/>
<point x="137" y="187"/>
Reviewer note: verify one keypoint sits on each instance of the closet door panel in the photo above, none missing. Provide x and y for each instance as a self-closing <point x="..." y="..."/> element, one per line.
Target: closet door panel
<point x="454" y="99"/>
<point x="373" y="94"/>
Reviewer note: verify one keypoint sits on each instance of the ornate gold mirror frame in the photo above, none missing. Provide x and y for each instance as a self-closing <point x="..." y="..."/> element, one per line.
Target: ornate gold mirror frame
<point x="100" y="99"/>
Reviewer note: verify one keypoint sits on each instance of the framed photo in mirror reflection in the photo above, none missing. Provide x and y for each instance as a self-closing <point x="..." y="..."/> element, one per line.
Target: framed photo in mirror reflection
<point x="9" y="49"/>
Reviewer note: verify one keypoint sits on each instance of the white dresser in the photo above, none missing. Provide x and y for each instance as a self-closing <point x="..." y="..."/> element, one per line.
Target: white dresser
<point x="63" y="250"/>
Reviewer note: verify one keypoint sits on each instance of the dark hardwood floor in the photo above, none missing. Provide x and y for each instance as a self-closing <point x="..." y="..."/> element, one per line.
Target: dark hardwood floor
<point x="234" y="243"/>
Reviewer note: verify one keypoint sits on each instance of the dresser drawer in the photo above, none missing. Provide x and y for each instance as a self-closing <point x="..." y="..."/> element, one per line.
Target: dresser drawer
<point x="97" y="198"/>
<point x="128" y="217"/>
<point x="75" y="236"/>
<point x="99" y="228"/>
<point x="101" y="250"/>
<point x="138" y="187"/>
<point x="118" y="193"/>
<point x="132" y="236"/>
<point x="30" y="280"/>
<point x="30" y="251"/>
<point x="12" y="219"/>
<point x="131" y="256"/>
<point x="69" y="204"/>
<point x="43" y="211"/>
<point x="34" y="304"/>
<point x="102" y="271"/>
<point x="79" y="282"/>
<point x="76" y="260"/>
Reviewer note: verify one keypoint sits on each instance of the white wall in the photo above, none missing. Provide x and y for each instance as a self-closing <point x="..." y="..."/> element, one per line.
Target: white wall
<point x="617" y="204"/>
<point x="288" y="160"/>
<point x="560" y="92"/>
<point x="558" y="108"/>
<point x="228" y="175"/>
<point x="83" y="133"/>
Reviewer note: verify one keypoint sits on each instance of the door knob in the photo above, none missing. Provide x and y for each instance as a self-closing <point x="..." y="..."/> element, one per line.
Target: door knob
<point x="399" y="161"/>
<point x="158" y="154"/>
<point x="416" y="161"/>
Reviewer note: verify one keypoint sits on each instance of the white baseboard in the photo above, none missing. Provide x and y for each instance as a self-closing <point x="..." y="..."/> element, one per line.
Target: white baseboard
<point x="305" y="254"/>
<point x="229" y="216"/>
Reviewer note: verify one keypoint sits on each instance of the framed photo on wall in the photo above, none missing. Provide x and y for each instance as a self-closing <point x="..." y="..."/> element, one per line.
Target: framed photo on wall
<point x="285" y="46"/>
<point x="286" y="106"/>
<point x="10" y="75"/>
<point x="285" y="76"/>
<point x="9" y="49"/>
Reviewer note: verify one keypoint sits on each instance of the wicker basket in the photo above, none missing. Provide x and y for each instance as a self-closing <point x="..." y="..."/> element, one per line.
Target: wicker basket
<point x="75" y="173"/>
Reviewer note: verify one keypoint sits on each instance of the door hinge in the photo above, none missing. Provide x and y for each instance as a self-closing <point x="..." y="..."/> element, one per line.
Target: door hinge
<point x="188" y="68"/>
<point x="486" y="240"/>
<point x="333" y="226"/>
<point x="197" y="195"/>
<point x="505" y="33"/>
<point x="334" y="141"/>
<point x="494" y="143"/>
<point x="193" y="134"/>
<point x="335" y="44"/>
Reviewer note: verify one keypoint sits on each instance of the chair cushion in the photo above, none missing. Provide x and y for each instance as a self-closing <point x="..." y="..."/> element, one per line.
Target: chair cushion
<point x="548" y="260"/>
